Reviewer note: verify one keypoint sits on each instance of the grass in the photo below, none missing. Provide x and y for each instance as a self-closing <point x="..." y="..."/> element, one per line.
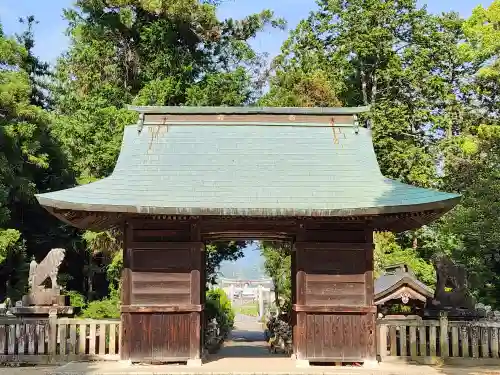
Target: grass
<point x="249" y="309"/>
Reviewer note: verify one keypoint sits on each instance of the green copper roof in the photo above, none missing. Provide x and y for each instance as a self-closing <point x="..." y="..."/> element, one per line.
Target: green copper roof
<point x="244" y="169"/>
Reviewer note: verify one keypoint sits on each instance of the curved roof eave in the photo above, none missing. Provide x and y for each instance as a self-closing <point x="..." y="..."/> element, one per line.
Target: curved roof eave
<point x="250" y="212"/>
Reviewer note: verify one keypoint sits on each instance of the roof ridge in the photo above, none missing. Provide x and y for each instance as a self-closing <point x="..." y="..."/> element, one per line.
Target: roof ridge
<point x="247" y="123"/>
<point x="249" y="110"/>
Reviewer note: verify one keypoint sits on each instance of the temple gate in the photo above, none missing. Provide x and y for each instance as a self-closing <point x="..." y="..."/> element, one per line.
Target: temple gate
<point x="188" y="175"/>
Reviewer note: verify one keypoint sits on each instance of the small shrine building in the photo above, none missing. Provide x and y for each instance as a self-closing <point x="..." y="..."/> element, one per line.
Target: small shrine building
<point x="188" y="175"/>
<point x="397" y="287"/>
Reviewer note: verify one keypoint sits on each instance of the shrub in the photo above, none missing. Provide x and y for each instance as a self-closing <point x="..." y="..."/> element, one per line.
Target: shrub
<point x="218" y="307"/>
<point x="106" y="308"/>
<point x="76" y="299"/>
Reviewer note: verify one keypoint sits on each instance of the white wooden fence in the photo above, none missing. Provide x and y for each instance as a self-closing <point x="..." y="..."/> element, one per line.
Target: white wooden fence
<point x="58" y="340"/>
<point x="431" y="341"/>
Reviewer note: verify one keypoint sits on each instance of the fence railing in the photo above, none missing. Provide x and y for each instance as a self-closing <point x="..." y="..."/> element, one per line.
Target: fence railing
<point x="433" y="339"/>
<point x="59" y="340"/>
<point x="55" y="340"/>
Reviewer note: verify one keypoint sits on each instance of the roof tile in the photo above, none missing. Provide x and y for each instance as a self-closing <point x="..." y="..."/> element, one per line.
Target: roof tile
<point x="247" y="170"/>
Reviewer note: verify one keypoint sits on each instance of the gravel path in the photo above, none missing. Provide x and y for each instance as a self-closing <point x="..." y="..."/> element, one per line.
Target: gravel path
<point x="246" y="341"/>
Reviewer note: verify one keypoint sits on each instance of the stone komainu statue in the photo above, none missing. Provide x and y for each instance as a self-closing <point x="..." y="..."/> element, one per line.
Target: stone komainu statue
<point x="47" y="268"/>
<point x="454" y="276"/>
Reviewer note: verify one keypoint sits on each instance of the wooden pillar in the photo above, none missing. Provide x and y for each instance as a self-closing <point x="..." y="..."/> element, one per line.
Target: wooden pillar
<point x="298" y="297"/>
<point x="161" y="293"/>
<point x="196" y="250"/>
<point x="125" y="339"/>
<point x="371" y="317"/>
<point x="334" y="294"/>
<point x="293" y="278"/>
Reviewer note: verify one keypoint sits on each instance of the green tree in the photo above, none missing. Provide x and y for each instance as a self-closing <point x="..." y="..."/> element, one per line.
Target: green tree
<point x="278" y="265"/>
<point x="38" y="71"/>
<point x="431" y="80"/>
<point x="405" y="63"/>
<point x="474" y="171"/>
<point x="388" y="252"/>
<point x="30" y="162"/>
<point x="146" y="53"/>
<point x="298" y="88"/>
<point x="483" y="45"/>
<point x="217" y="252"/>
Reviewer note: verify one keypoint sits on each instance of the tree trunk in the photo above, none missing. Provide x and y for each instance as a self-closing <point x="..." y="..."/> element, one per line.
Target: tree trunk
<point x="374" y="89"/>
<point x="364" y="85"/>
<point x="276" y="294"/>
<point x="89" y="286"/>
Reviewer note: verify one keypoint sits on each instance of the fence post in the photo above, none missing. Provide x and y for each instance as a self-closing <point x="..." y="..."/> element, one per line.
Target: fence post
<point x="382" y="341"/>
<point x="443" y="335"/>
<point x="52" y="335"/>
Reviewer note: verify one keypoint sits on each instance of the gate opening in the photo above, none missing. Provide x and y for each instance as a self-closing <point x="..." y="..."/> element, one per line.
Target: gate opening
<point x="259" y="288"/>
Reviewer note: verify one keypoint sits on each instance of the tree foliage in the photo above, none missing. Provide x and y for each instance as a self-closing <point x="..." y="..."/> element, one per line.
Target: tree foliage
<point x="218" y="307"/>
<point x="388" y="252"/>
<point x="216" y="253"/>
<point x="432" y="83"/>
<point x="474" y="171"/>
<point x="65" y="127"/>
<point x="30" y="162"/>
<point x="146" y="53"/>
<point x="277" y="265"/>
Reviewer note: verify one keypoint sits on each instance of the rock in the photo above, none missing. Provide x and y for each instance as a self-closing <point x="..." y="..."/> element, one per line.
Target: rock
<point x="496" y="315"/>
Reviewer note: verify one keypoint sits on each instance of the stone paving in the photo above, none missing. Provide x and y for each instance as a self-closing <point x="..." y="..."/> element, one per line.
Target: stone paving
<point x="31" y="370"/>
<point x="261" y="366"/>
<point x="246" y="341"/>
<point x="246" y="354"/>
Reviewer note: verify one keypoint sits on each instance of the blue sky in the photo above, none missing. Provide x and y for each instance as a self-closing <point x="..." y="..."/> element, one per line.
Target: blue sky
<point x="251" y="266"/>
<point x="51" y="40"/>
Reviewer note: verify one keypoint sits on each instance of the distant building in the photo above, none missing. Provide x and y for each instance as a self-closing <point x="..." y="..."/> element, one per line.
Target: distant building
<point x="246" y="289"/>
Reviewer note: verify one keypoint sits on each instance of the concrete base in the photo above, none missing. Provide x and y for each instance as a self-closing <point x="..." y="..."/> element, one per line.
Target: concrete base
<point x="43" y="311"/>
<point x="302" y="363"/>
<point x="245" y="366"/>
<point x="125" y="362"/>
<point x="194" y="363"/>
<point x="371" y="364"/>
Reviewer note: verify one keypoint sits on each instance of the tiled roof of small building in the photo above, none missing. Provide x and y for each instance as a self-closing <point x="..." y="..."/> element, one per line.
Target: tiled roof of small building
<point x="397" y="277"/>
<point x="385" y="282"/>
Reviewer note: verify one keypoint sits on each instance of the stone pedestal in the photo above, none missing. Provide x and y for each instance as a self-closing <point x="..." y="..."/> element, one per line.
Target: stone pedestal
<point x="43" y="311"/>
<point x="45" y="297"/>
<point x="453" y="313"/>
<point x="41" y="303"/>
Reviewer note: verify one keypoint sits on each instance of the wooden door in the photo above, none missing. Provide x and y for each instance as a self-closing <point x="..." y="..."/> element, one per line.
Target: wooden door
<point x="335" y="316"/>
<point x="161" y="300"/>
